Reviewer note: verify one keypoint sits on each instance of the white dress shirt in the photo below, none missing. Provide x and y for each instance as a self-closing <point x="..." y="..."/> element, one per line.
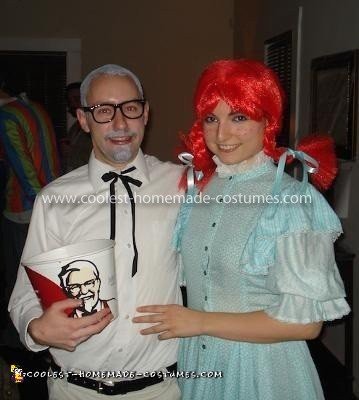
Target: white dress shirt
<point x="119" y="346"/>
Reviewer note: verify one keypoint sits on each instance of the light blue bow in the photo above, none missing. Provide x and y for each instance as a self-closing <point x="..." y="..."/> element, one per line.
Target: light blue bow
<point x="187" y="159"/>
<point x="310" y="166"/>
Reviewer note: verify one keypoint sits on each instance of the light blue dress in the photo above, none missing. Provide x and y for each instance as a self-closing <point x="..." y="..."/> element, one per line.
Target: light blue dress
<point x="248" y="257"/>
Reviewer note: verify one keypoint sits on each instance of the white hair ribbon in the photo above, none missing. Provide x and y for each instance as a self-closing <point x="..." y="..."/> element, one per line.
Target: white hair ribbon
<point x="192" y="175"/>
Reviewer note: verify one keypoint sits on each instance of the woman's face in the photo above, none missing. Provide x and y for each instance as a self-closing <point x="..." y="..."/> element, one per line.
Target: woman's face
<point x="232" y="136"/>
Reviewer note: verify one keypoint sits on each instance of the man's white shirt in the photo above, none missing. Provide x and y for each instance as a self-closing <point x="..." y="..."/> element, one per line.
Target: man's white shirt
<point x="119" y="346"/>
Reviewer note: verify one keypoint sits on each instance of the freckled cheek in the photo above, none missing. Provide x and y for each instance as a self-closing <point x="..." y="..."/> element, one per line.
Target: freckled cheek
<point x="210" y="143"/>
<point x="249" y="135"/>
<point x="208" y="136"/>
<point x="244" y="134"/>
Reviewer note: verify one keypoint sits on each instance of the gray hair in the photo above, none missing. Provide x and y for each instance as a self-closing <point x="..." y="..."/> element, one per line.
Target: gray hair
<point x="108" y="69"/>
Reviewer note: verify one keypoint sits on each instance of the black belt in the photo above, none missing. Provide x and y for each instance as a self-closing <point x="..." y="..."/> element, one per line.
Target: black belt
<point x="114" y="388"/>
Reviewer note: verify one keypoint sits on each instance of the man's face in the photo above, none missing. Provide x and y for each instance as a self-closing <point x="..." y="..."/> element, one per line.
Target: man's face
<point x="84" y="285"/>
<point x="117" y="142"/>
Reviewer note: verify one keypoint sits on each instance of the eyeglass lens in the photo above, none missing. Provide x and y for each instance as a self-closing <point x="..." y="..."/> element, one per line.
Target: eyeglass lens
<point x="130" y="109"/>
<point x="76" y="288"/>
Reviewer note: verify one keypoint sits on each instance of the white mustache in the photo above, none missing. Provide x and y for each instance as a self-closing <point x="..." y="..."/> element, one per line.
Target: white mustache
<point x="118" y="134"/>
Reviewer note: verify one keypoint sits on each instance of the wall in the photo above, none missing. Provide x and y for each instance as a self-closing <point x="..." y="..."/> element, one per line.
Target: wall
<point x="167" y="43"/>
<point x="327" y="28"/>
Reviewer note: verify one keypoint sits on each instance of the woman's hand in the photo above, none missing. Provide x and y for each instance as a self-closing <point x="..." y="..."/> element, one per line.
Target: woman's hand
<point x="254" y="327"/>
<point x="171" y="321"/>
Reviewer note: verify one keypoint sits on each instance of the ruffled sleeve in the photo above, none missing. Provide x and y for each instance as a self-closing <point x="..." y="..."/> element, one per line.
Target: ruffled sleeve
<point x="304" y="275"/>
<point x="306" y="279"/>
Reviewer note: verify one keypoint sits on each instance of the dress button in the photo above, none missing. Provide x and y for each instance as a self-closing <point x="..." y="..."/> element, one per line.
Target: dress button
<point x="119" y="350"/>
<point x="230" y="178"/>
<point x="203" y="346"/>
<point x="204" y="272"/>
<point x="127" y="316"/>
<point x="205" y="248"/>
<point x="206" y="298"/>
<point x="129" y="245"/>
<point x="126" y="212"/>
<point x="213" y="225"/>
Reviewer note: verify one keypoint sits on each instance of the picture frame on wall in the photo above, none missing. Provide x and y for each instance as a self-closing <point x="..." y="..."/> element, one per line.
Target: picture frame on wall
<point x="334" y="100"/>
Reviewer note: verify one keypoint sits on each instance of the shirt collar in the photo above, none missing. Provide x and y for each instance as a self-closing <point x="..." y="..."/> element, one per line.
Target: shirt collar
<point x="97" y="168"/>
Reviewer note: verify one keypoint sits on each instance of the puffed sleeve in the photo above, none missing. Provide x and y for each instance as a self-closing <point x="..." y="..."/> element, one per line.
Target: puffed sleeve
<point x="304" y="275"/>
<point x="306" y="279"/>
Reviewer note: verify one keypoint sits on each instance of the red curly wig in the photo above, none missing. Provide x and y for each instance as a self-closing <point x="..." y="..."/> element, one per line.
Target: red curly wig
<point x="251" y="88"/>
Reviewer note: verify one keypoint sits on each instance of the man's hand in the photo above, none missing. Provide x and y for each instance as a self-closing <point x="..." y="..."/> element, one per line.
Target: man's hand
<point x="55" y="329"/>
<point x="171" y="321"/>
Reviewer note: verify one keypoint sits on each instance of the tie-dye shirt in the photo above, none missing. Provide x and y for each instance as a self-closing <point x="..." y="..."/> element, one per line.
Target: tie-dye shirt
<point x="28" y="142"/>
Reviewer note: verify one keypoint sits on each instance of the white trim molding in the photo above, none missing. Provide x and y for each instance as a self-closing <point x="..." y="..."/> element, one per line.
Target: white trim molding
<point x="71" y="46"/>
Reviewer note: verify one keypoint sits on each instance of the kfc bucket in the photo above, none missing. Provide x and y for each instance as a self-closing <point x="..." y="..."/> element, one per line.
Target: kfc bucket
<point x="83" y="271"/>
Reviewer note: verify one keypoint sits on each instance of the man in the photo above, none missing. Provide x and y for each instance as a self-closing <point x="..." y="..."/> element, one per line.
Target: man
<point x="80" y="279"/>
<point x="115" y="113"/>
<point x="77" y="146"/>
<point x="28" y="145"/>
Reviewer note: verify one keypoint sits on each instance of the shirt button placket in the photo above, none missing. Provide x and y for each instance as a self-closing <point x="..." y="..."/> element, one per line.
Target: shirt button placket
<point x="206" y="282"/>
<point x="203" y="354"/>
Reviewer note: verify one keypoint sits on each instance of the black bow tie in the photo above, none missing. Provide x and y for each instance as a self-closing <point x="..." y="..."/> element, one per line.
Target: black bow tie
<point x="126" y="180"/>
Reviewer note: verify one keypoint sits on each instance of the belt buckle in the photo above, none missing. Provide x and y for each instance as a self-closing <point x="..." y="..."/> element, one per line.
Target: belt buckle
<point x="99" y="387"/>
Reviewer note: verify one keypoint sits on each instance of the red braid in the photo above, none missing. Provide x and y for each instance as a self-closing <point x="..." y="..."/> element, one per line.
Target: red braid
<point x="321" y="148"/>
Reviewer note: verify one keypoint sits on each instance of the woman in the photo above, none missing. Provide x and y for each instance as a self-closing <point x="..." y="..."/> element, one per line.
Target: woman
<point x="260" y="272"/>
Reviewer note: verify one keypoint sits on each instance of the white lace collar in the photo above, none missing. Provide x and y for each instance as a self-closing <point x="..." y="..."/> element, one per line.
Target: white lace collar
<point x="224" y="170"/>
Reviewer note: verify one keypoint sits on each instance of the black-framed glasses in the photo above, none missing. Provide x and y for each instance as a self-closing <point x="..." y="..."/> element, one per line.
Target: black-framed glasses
<point x="104" y="113"/>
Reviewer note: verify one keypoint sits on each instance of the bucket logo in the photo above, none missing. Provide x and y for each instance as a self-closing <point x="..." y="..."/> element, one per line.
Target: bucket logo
<point x="80" y="279"/>
<point x="82" y="271"/>
<point x="16" y="373"/>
